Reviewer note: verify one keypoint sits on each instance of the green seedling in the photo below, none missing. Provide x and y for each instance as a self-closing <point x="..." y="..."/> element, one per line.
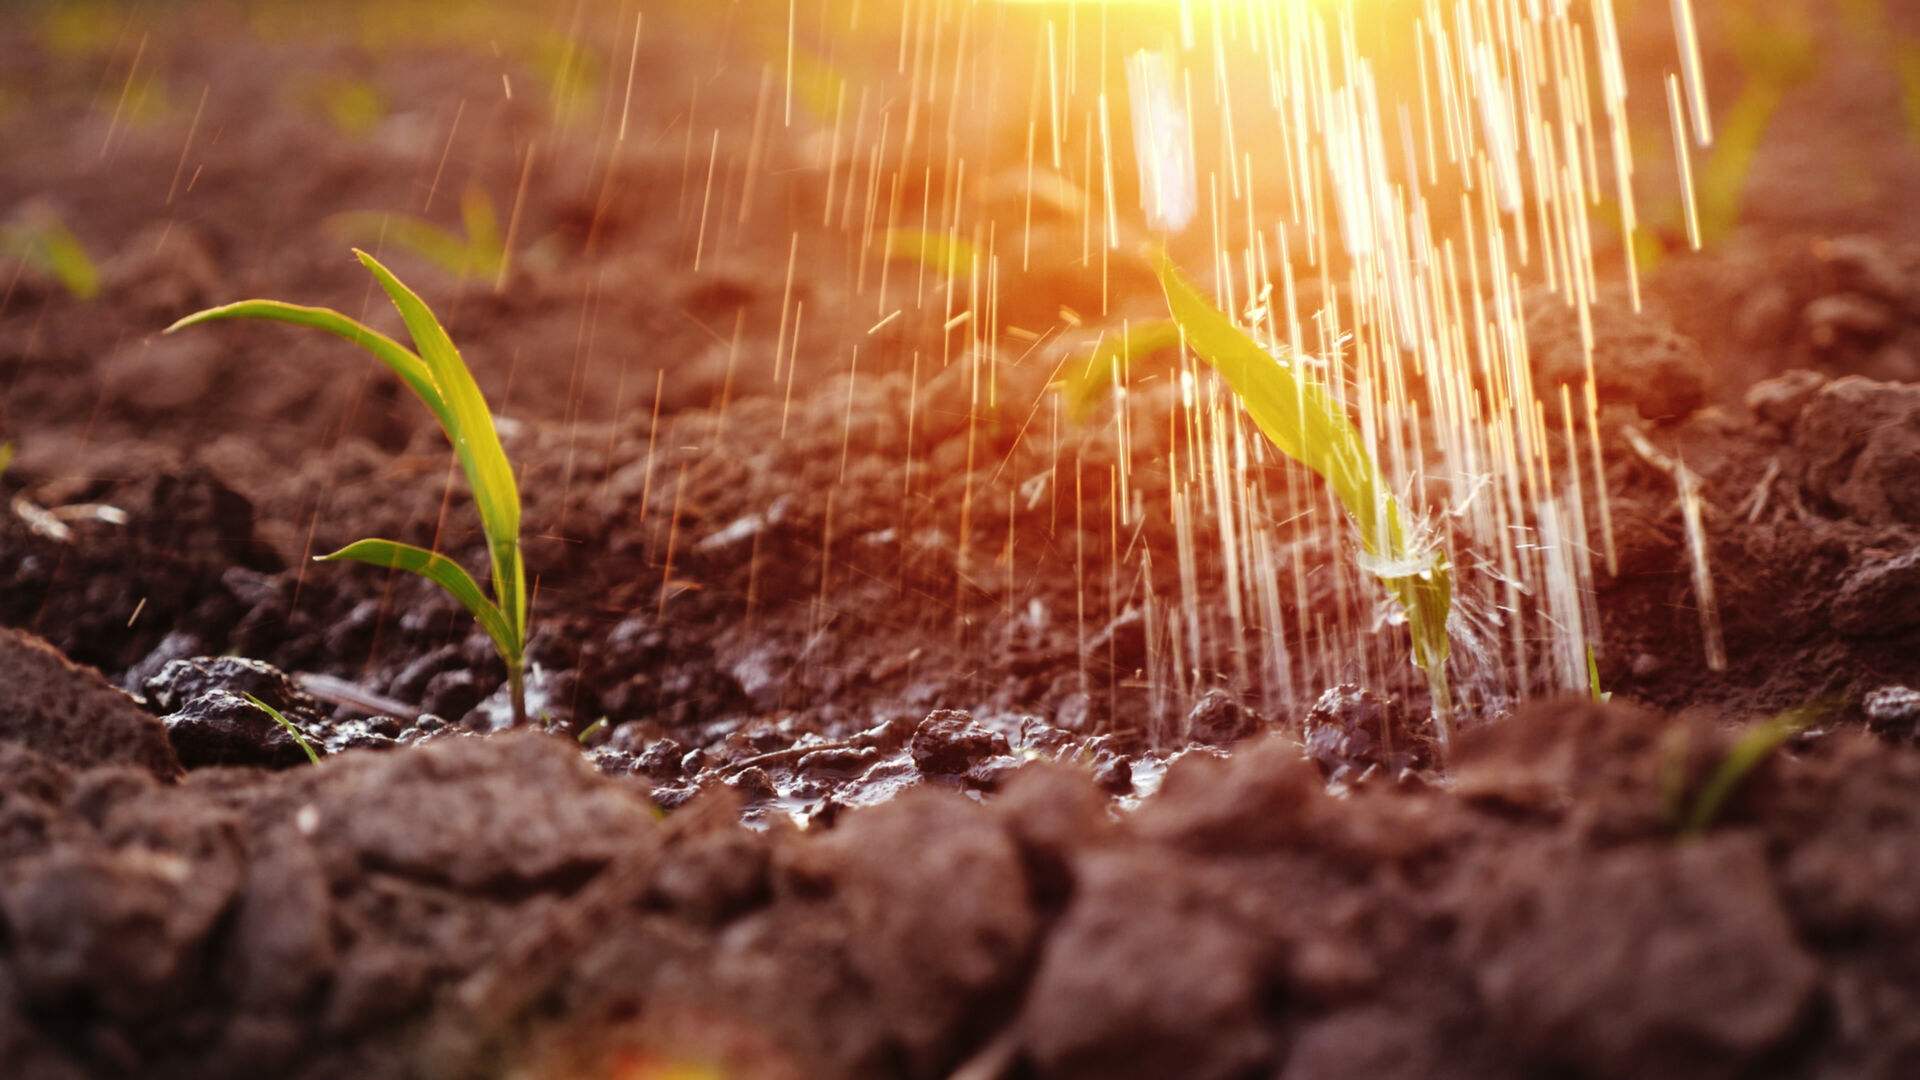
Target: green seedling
<point x="572" y="74"/>
<point x="440" y="378"/>
<point x="41" y="240"/>
<point x="1298" y="415"/>
<point x="1777" y="52"/>
<point x="1754" y="746"/>
<point x="480" y="251"/>
<point x="285" y="723"/>
<point x="1600" y="697"/>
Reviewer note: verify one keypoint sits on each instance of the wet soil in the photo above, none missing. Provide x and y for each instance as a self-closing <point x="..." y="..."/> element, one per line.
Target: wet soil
<point x="849" y="762"/>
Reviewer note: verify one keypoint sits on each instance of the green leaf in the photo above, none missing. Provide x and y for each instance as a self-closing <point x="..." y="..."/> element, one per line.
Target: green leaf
<point x="443" y="572"/>
<point x="1091" y="371"/>
<point x="399" y="359"/>
<point x="1292" y="409"/>
<point x="469" y="425"/>
<point x="285" y="723"/>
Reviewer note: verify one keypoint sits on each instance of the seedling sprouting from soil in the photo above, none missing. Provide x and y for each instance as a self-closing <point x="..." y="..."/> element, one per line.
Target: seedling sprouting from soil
<point x="1746" y="754"/>
<point x="1299" y="416"/>
<point x="439" y="377"/>
<point x="41" y="240"/>
<point x="479" y="253"/>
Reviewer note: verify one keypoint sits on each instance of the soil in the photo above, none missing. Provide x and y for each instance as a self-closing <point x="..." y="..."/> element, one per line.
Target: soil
<point x="848" y="759"/>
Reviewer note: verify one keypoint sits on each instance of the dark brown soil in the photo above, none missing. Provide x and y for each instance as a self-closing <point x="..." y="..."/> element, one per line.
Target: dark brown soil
<point x="848" y="767"/>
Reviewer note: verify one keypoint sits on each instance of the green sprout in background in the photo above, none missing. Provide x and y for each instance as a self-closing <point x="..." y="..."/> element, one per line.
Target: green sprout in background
<point x="440" y="378"/>
<point x="41" y="240"/>
<point x="1748" y="752"/>
<point x="354" y="106"/>
<point x="1777" y="52"/>
<point x="480" y="251"/>
<point x="572" y="74"/>
<point x="1301" y="419"/>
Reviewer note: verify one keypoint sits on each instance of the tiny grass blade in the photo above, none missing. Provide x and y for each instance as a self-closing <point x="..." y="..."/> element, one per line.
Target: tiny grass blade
<point x="399" y="359"/>
<point x="440" y="570"/>
<point x="1754" y="746"/>
<point x="285" y="723"/>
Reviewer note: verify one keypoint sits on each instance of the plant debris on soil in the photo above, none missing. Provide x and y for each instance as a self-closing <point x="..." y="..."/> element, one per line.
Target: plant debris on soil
<point x="847" y="757"/>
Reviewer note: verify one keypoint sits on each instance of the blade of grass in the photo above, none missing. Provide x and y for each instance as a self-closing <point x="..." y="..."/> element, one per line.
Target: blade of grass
<point x="285" y="723"/>
<point x="1753" y="747"/>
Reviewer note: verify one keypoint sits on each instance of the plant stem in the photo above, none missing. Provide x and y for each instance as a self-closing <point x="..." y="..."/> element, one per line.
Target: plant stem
<point x="1442" y="695"/>
<point x="517" y="690"/>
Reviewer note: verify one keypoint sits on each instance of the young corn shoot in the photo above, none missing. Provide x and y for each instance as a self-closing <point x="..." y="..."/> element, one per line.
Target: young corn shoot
<point x="479" y="251"/>
<point x="1299" y="416"/>
<point x="41" y="240"/>
<point x="440" y="378"/>
<point x="1748" y="752"/>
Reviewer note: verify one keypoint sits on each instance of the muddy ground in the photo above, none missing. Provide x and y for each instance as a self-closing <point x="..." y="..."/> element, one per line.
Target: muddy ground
<point x="833" y="778"/>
